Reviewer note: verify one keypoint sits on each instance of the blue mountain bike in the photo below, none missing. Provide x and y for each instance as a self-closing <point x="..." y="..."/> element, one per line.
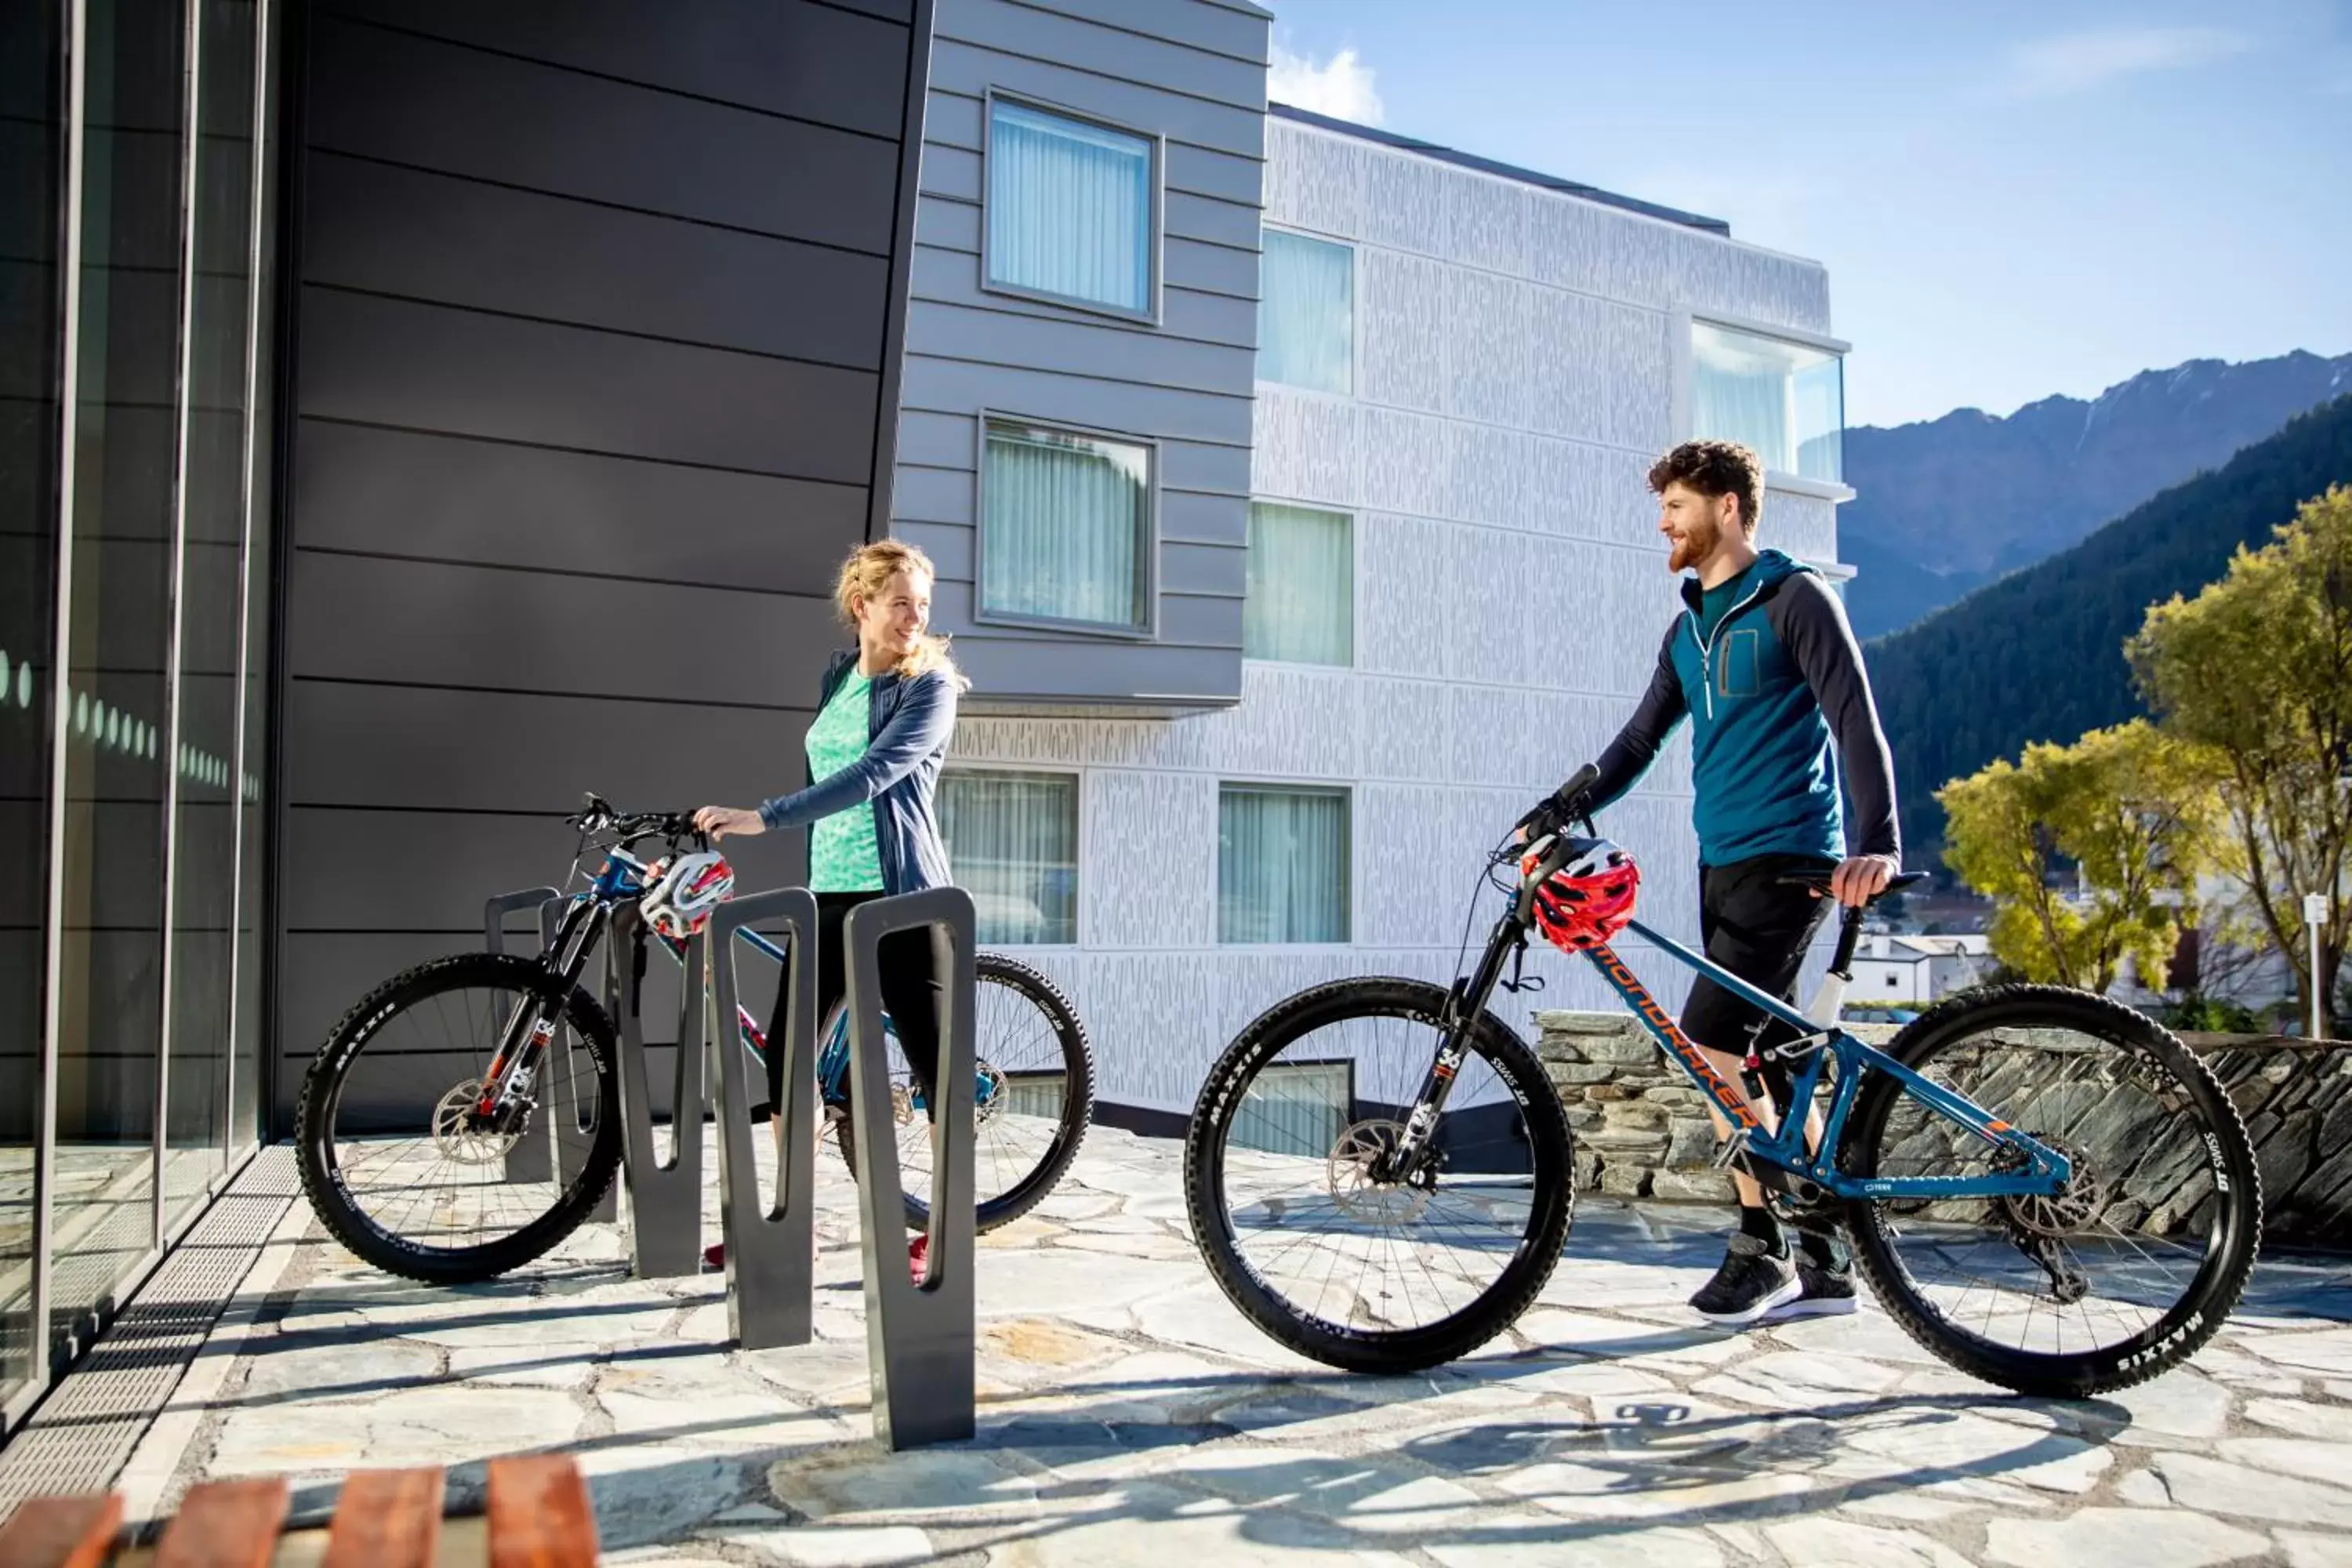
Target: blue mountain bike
<point x="422" y="1128"/>
<point x="2043" y="1187"/>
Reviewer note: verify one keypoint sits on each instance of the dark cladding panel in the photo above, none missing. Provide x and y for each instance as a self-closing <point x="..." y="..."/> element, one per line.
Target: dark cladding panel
<point x="425" y="367"/>
<point x="811" y="61"/>
<point x="460" y="242"/>
<point x="493" y="117"/>
<point x="355" y="617"/>
<point x="445" y="497"/>
<point x="596" y="320"/>
<point x="489" y="750"/>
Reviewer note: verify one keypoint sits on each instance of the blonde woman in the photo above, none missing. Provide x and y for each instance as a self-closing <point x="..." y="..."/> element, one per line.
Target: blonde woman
<point x="884" y="711"/>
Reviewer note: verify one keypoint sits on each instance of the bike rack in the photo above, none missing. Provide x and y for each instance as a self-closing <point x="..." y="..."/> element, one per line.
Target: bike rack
<point x="664" y="1201"/>
<point x="535" y="1159"/>
<point x="919" y="1337"/>
<point x="771" y="1279"/>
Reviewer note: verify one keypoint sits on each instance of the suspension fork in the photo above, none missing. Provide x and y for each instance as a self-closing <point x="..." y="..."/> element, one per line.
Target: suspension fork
<point x="532" y="1026"/>
<point x="1463" y="1005"/>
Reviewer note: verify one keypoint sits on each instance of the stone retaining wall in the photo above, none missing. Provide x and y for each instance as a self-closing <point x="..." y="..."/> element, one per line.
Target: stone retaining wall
<point x="1642" y="1132"/>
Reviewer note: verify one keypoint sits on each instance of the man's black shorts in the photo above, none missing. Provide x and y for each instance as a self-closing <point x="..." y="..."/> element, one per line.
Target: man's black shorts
<point x="1758" y="929"/>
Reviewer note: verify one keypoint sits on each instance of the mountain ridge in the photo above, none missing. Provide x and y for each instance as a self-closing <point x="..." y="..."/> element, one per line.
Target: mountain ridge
<point x="1946" y="505"/>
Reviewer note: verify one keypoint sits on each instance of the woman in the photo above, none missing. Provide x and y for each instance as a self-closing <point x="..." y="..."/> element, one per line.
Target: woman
<point x="884" y="714"/>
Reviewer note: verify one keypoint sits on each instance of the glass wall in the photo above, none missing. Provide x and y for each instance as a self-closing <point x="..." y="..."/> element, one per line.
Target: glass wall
<point x="126" y="792"/>
<point x="1787" y="400"/>
<point x="31" y="150"/>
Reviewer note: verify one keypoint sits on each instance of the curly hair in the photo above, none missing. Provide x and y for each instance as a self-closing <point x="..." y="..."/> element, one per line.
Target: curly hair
<point x="1716" y="468"/>
<point x="865" y="573"/>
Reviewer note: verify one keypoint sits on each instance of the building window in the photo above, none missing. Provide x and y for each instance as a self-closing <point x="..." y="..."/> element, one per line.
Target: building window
<point x="1013" y="839"/>
<point x="1282" y="864"/>
<point x="1785" y="399"/>
<point x="1306" y="312"/>
<point x="1302" y="585"/>
<point x="1070" y="210"/>
<point x="1298" y="1109"/>
<point x="1065" y="530"/>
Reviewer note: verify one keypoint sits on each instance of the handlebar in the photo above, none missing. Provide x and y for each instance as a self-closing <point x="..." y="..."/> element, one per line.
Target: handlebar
<point x="596" y="815"/>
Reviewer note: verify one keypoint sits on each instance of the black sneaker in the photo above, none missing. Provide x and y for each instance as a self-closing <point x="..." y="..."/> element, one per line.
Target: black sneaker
<point x="1752" y="1283"/>
<point x="1824" y="1279"/>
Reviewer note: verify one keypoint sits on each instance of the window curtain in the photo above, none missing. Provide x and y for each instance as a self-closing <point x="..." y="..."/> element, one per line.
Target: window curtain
<point x="1013" y="839"/>
<point x="1306" y="312"/>
<point x="1070" y="209"/>
<point x="1299" y="1109"/>
<point x="1738" y="394"/>
<point x="1282" y="866"/>
<point x="1067" y="526"/>
<point x="1302" y="585"/>
<point x="1821" y="419"/>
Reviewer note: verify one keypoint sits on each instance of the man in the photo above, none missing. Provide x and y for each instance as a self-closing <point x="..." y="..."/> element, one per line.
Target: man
<point x="1764" y="665"/>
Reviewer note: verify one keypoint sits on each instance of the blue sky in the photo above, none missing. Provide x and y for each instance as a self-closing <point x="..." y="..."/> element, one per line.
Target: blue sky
<point x="2013" y="200"/>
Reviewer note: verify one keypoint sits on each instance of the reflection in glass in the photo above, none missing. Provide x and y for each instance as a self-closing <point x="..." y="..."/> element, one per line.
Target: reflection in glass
<point x="204" y="849"/>
<point x="119" y="635"/>
<point x="1786" y="400"/>
<point x="31" y="320"/>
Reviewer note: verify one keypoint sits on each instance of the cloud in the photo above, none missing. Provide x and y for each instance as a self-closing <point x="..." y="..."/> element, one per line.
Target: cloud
<point x="2078" y="62"/>
<point x="1341" y="86"/>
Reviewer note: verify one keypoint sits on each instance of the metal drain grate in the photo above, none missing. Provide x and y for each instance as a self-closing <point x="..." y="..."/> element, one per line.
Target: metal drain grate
<point x="83" y="1434"/>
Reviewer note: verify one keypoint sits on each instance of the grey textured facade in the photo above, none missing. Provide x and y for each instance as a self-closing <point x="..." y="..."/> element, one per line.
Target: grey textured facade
<point x="1519" y="360"/>
<point x="1189" y="75"/>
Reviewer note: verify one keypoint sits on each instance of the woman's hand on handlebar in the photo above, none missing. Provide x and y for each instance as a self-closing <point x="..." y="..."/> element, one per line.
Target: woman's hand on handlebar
<point x="718" y="821"/>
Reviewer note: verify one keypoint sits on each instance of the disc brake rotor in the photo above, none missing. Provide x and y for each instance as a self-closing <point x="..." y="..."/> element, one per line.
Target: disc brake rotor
<point x="1348" y="1171"/>
<point x="2069" y="1210"/>
<point x="458" y="1132"/>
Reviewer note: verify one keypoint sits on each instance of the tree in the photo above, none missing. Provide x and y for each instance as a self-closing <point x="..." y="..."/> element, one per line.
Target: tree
<point x="2257" y="672"/>
<point x="2135" y="813"/>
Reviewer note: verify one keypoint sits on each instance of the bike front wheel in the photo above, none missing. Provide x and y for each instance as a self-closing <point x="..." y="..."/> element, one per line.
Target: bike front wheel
<point x="394" y="1158"/>
<point x="2126" y="1271"/>
<point x="1309" y="1230"/>
<point x="1033" y="1095"/>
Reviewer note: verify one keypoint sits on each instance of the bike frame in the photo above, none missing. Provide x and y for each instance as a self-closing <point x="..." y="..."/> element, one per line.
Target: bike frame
<point x="2046" y="1171"/>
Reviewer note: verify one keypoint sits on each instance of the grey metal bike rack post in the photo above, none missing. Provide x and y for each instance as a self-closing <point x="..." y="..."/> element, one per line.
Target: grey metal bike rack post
<point x="771" y="1279"/>
<point x="919" y="1337"/>
<point x="556" y="1141"/>
<point x="664" y="1201"/>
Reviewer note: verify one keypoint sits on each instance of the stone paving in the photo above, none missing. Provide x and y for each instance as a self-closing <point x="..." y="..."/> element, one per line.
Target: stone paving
<point x="1128" y="1414"/>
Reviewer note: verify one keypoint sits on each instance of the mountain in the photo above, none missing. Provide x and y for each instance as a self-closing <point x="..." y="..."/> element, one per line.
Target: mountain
<point x="2038" y="656"/>
<point x="1946" y="505"/>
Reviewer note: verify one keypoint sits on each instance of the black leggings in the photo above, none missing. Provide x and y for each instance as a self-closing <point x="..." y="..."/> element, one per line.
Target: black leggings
<point x="912" y="993"/>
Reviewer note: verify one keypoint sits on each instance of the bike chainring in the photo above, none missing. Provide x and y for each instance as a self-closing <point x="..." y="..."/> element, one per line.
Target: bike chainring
<point x="463" y="1135"/>
<point x="1354" y="1173"/>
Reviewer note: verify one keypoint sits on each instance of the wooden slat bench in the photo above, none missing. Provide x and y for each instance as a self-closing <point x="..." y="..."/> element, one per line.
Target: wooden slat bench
<point x="537" y="1516"/>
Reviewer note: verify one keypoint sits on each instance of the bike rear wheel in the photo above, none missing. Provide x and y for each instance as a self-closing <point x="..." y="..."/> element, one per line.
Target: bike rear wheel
<point x="2128" y="1270"/>
<point x="1032" y="1098"/>
<point x="393" y="1162"/>
<point x="1308" y="1236"/>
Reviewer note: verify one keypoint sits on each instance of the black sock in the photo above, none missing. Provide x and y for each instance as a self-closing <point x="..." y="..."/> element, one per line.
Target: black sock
<point x="1758" y="1223"/>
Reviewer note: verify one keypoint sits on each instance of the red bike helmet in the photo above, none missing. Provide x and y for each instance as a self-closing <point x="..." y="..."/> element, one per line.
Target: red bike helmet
<point x="1589" y="899"/>
<point x="684" y="891"/>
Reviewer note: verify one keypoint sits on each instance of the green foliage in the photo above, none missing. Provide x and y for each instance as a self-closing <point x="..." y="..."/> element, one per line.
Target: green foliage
<point x="2197" y="1012"/>
<point x="2037" y="655"/>
<point x="2132" y="808"/>
<point x="2257" y="672"/>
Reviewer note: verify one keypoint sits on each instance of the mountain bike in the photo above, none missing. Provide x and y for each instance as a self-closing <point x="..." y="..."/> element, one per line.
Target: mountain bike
<point x="2044" y="1188"/>
<point x="420" y="1094"/>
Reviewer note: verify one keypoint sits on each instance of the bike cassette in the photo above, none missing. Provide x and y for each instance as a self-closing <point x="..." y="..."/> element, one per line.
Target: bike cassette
<point x="460" y="1133"/>
<point x="2038" y="1224"/>
<point x="1353" y="1170"/>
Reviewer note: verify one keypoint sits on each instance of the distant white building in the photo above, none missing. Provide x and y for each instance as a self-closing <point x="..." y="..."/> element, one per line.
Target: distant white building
<point x="1917" y="969"/>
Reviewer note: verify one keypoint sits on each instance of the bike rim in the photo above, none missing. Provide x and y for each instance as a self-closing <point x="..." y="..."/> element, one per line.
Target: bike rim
<point x="1325" y="1234"/>
<point x="2105" y="1268"/>
<point x="1025" y="1093"/>
<point x="413" y="1167"/>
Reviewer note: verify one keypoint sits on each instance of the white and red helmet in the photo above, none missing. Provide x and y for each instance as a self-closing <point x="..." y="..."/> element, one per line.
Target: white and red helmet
<point x="685" y="892"/>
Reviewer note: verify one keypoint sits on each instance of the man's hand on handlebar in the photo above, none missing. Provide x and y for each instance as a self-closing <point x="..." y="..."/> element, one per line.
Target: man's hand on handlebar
<point x="1860" y="877"/>
<point x="719" y="821"/>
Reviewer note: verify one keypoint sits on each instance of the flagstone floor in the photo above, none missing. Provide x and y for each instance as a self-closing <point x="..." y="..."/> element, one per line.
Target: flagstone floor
<point x="1128" y="1414"/>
